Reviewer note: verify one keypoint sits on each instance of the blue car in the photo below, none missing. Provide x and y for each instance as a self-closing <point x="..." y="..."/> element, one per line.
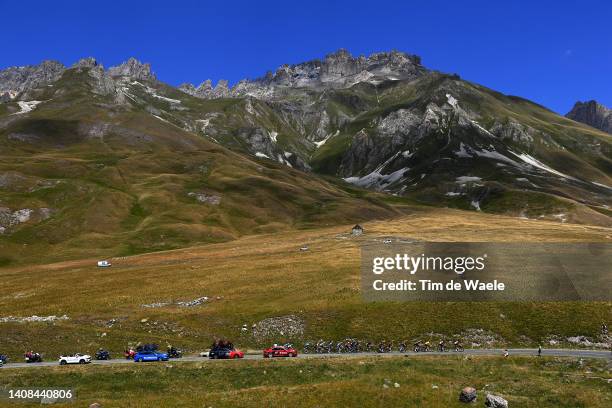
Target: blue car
<point x="150" y="356"/>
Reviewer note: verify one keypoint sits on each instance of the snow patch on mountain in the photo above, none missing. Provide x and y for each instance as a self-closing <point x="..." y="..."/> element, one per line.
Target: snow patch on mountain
<point x="376" y="179"/>
<point x="463" y="152"/>
<point x="160" y="118"/>
<point x="468" y="179"/>
<point x="601" y="185"/>
<point x="282" y="160"/>
<point x="329" y="136"/>
<point x="535" y="163"/>
<point x="495" y="155"/>
<point x="154" y="94"/>
<point x="27" y="106"/>
<point x="163" y="98"/>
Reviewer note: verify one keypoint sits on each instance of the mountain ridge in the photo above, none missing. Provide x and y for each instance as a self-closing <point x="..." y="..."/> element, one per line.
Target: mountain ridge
<point x="299" y="153"/>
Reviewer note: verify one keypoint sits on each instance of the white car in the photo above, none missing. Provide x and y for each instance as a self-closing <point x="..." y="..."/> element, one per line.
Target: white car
<point x="104" y="264"/>
<point x="75" y="359"/>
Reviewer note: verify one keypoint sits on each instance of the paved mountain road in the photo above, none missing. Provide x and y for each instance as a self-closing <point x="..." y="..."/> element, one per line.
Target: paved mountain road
<point x="479" y="352"/>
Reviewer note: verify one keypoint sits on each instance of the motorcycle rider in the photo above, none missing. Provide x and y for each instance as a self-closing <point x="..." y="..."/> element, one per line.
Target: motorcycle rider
<point x="441" y="346"/>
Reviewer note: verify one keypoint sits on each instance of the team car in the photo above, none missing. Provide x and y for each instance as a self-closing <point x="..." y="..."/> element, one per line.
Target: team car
<point x="75" y="359"/>
<point x="225" y="352"/>
<point x="224" y="349"/>
<point x="150" y="355"/>
<point x="280" y="351"/>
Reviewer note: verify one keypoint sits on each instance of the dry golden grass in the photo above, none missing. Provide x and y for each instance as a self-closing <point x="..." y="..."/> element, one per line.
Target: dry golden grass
<point x="262" y="276"/>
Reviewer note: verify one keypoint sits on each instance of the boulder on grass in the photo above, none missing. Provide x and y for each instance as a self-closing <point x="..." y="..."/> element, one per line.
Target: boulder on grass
<point x="495" y="401"/>
<point x="467" y="395"/>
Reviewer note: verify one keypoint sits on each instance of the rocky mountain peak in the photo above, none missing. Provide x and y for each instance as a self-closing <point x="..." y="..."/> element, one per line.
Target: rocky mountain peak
<point x="207" y="91"/>
<point x="339" y="69"/>
<point x="593" y="114"/>
<point x="134" y="69"/>
<point x="15" y="80"/>
<point x="88" y="62"/>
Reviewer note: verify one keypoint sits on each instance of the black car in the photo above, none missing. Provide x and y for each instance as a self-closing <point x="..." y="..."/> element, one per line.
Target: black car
<point x="225" y="352"/>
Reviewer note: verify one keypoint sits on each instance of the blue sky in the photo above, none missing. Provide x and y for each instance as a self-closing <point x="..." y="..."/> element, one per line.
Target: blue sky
<point x="552" y="52"/>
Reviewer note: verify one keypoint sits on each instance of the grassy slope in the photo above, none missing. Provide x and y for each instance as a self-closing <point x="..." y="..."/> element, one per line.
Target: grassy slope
<point x="524" y="382"/>
<point x="264" y="276"/>
<point x="127" y="191"/>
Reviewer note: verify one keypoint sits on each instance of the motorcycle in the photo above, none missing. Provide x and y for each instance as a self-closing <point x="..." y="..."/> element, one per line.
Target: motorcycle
<point x="103" y="355"/>
<point x="129" y="354"/>
<point x="174" y="353"/>
<point x="4" y="359"/>
<point x="33" y="358"/>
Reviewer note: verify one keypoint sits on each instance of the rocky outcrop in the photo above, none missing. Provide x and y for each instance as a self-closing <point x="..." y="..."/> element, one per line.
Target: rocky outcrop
<point x="337" y="70"/>
<point x="132" y="68"/>
<point x="88" y="62"/>
<point x="12" y="218"/>
<point x="15" y="80"/>
<point x="290" y="326"/>
<point x="206" y="91"/>
<point x="593" y="114"/>
<point x="101" y="81"/>
<point x="340" y="69"/>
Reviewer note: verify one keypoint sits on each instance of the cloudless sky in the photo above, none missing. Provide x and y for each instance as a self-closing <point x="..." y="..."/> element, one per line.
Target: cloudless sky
<point x="552" y="52"/>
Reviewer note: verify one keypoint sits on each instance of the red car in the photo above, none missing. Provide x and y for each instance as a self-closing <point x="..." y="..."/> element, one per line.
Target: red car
<point x="280" y="351"/>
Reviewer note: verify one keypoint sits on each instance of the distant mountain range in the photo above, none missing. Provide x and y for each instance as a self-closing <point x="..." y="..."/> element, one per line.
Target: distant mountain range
<point x="160" y="166"/>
